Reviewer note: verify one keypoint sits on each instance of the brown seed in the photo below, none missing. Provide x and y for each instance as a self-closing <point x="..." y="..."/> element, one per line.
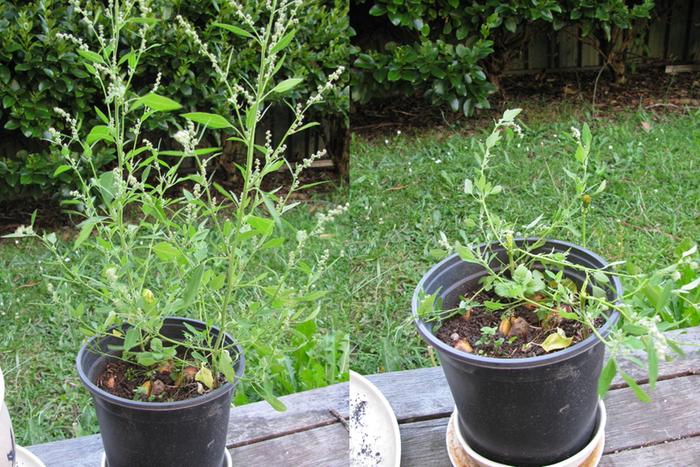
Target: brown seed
<point x="147" y="387"/>
<point x="157" y="388"/>
<point x="166" y="368"/>
<point x="464" y="346"/>
<point x="504" y="327"/>
<point x="520" y="327"/>
<point x="111" y="382"/>
<point x="189" y="372"/>
<point x="467" y="315"/>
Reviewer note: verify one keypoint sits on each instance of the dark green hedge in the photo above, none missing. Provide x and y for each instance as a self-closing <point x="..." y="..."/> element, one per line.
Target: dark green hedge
<point x="39" y="71"/>
<point x="453" y="52"/>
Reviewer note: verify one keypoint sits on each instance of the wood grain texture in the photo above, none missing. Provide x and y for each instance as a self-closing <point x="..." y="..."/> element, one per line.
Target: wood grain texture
<point x="673" y="414"/>
<point x="684" y="452"/>
<point x="417" y="394"/>
<point x="247" y="425"/>
<point x="327" y="446"/>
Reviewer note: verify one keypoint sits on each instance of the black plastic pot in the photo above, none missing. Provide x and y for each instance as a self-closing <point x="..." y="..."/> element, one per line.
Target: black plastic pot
<point x="159" y="434"/>
<point x="520" y="411"/>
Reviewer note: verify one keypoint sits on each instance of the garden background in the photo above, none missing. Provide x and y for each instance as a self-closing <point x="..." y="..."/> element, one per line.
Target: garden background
<point x="426" y="81"/>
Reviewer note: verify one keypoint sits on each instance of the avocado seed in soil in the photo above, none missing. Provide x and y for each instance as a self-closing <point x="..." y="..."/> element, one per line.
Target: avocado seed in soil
<point x="513" y="338"/>
<point x="159" y="384"/>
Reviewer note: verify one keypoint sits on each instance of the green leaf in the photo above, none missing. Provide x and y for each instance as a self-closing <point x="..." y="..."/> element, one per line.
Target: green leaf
<point x="91" y="56"/>
<point x="131" y="339"/>
<point x="652" y="363"/>
<point x="205" y="377"/>
<point x="157" y="102"/>
<point x="226" y="366"/>
<point x="510" y="114"/>
<point x="209" y="120"/>
<point x="261" y="224"/>
<point x="283" y="43"/>
<point x="61" y="169"/>
<point x="85" y="230"/>
<point x="102" y="116"/>
<point x="166" y="252"/>
<point x="234" y="29"/>
<point x="99" y="133"/>
<point x="286" y="85"/>
<point x="273" y="401"/>
<point x="192" y="287"/>
<point x="465" y="253"/>
<point x="556" y="340"/>
<point x="638" y="391"/>
<point x="606" y="377"/>
<point x="468" y="187"/>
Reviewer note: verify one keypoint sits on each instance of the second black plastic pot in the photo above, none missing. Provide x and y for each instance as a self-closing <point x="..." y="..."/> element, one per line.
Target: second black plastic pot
<point x="521" y="411"/>
<point x="185" y="433"/>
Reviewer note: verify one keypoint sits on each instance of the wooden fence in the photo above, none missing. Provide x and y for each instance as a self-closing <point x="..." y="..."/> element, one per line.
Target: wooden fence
<point x="672" y="36"/>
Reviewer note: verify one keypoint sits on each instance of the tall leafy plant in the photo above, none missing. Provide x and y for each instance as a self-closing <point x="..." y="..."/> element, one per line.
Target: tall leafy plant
<point x="157" y="243"/>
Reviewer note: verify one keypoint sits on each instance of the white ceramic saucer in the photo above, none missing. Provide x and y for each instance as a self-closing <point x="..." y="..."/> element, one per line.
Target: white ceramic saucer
<point x="24" y="458"/>
<point x="374" y="431"/>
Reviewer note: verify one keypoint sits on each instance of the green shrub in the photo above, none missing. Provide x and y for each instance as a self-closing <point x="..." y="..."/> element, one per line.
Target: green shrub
<point x="454" y="52"/>
<point x="39" y="71"/>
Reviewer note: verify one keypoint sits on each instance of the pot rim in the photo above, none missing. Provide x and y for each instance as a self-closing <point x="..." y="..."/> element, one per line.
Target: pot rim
<point x="157" y="406"/>
<point x="425" y="329"/>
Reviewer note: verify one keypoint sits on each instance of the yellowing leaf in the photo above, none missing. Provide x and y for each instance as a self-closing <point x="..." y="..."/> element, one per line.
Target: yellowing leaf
<point x="556" y="340"/>
<point x="205" y="377"/>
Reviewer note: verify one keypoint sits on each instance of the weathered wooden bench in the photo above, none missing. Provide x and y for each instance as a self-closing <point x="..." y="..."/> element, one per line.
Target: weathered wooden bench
<point x="313" y="430"/>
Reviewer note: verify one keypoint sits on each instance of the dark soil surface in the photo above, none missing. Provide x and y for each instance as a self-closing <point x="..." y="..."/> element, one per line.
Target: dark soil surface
<point x="650" y="89"/>
<point x="467" y="328"/>
<point x="123" y="379"/>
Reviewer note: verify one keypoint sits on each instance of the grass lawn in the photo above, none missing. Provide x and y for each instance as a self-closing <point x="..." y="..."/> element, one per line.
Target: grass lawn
<point x="406" y="189"/>
<point x="39" y="342"/>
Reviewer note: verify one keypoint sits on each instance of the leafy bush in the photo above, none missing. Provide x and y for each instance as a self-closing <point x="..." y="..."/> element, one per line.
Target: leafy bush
<point x="39" y="71"/>
<point x="454" y="52"/>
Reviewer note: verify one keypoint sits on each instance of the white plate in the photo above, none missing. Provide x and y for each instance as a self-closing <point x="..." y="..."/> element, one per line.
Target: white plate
<point x="374" y="431"/>
<point x="24" y="458"/>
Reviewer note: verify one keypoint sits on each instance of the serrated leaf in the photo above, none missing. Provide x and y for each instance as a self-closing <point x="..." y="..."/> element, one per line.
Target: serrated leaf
<point x="510" y="114"/>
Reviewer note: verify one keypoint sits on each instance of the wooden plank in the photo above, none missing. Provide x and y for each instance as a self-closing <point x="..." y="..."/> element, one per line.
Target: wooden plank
<point x="657" y="34"/>
<point x="567" y="39"/>
<point x="423" y="443"/>
<point x="675" y="453"/>
<point x="537" y="52"/>
<point x="589" y="54"/>
<point x="248" y="424"/>
<point x="676" y="37"/>
<point x="327" y="446"/>
<point x="694" y="38"/>
<point x="672" y="414"/>
<point x="406" y="390"/>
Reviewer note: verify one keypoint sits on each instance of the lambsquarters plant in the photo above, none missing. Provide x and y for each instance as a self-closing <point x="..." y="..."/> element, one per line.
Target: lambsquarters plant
<point x="154" y="243"/>
<point x="520" y="321"/>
